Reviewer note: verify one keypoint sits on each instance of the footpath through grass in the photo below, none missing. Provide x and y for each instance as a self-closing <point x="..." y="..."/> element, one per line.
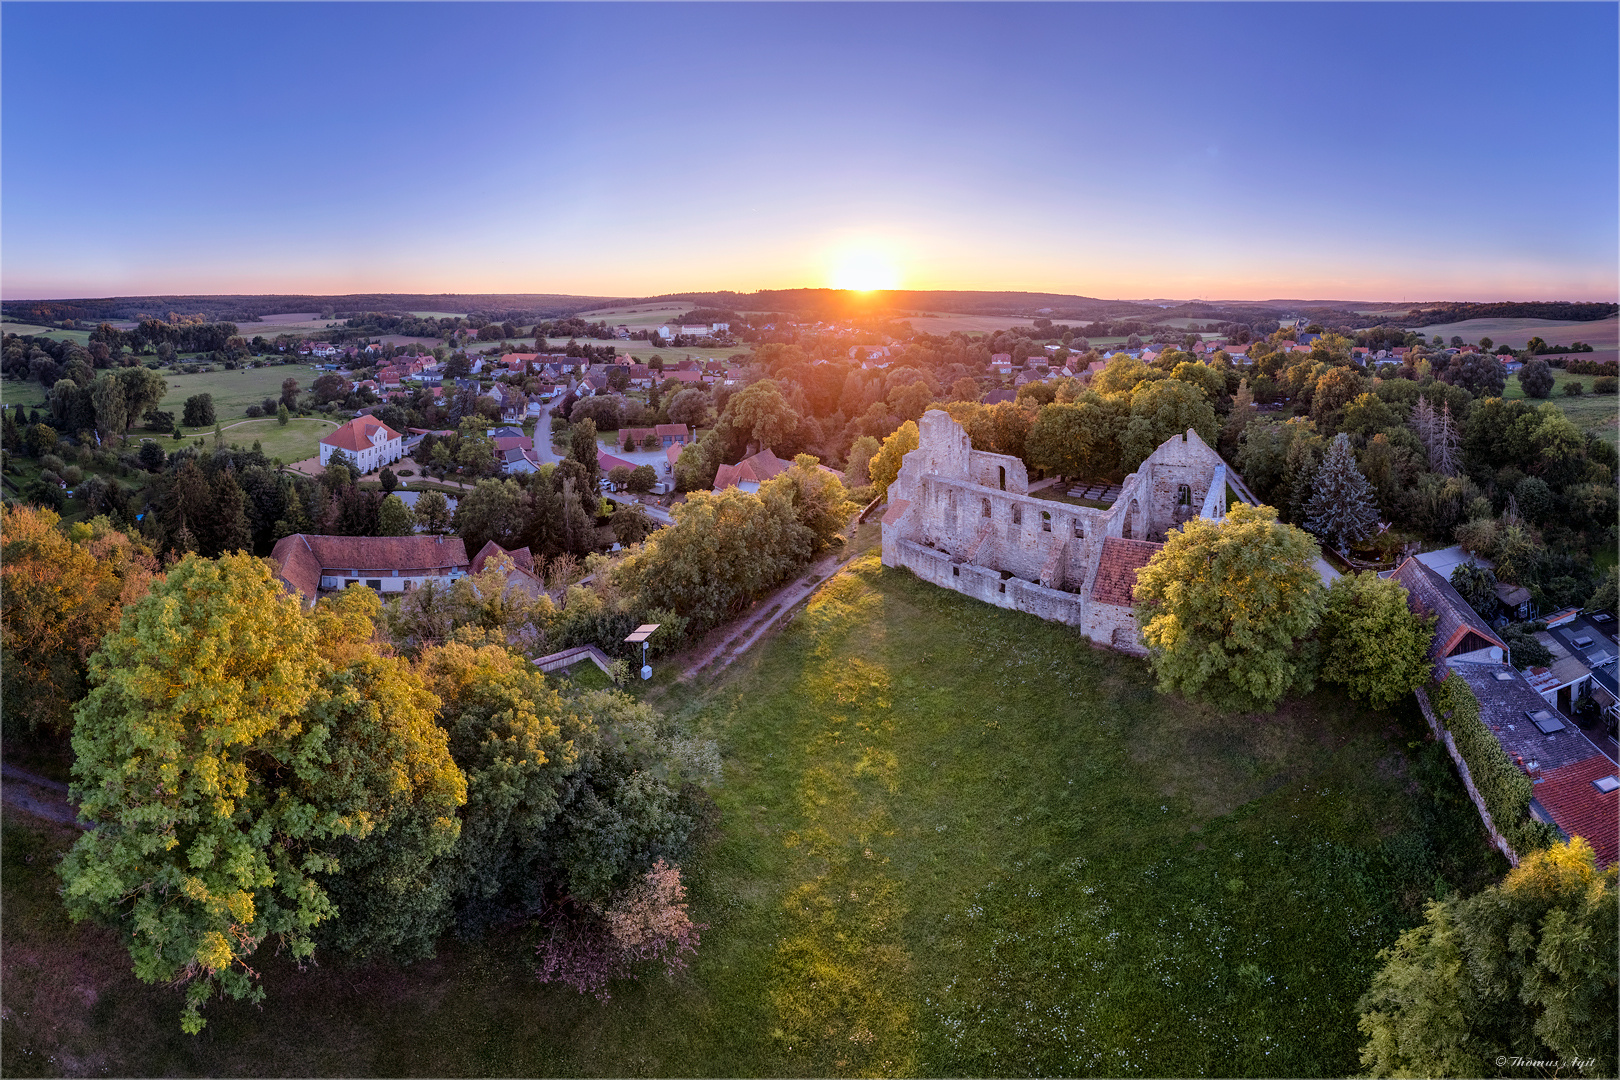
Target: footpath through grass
<point x="953" y="841"/>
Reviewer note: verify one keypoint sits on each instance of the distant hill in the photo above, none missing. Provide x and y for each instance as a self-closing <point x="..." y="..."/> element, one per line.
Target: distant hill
<point x="520" y="307"/>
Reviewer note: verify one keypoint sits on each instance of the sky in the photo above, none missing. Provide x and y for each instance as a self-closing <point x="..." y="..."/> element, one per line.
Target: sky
<point x="1381" y="151"/>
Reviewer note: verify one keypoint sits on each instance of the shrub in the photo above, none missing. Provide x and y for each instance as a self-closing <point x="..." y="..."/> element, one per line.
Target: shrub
<point x="1574" y="389"/>
<point x="254" y="410"/>
<point x="1608" y="384"/>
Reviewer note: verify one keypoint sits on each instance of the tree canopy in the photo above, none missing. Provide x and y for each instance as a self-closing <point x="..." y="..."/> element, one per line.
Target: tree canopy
<point x="1223" y="605"/>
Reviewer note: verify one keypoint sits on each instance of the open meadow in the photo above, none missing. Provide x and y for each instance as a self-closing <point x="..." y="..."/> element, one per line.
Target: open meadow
<point x="953" y="840"/>
<point x="1597" y="413"/>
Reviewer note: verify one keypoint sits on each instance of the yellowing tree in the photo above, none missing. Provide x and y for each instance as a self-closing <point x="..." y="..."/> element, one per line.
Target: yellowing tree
<point x="885" y="464"/>
<point x="1522" y="970"/>
<point x="229" y="741"/>
<point x="1223" y="605"/>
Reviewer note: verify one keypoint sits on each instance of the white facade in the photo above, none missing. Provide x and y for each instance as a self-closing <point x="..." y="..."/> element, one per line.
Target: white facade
<point x="382" y="450"/>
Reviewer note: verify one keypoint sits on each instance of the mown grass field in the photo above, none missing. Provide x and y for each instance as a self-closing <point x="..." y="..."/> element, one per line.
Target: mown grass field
<point x="300" y="439"/>
<point x="1597" y="413"/>
<point x="953" y="841"/>
<point x="233" y="391"/>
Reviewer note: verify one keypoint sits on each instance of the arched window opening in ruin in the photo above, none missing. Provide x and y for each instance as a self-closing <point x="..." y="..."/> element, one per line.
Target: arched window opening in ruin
<point x="1079" y="529"/>
<point x="986" y="503"/>
<point x="1003" y="470"/>
<point x="950" y="500"/>
<point x="1046" y="521"/>
<point x="1183" y="495"/>
<point x="1018" y="514"/>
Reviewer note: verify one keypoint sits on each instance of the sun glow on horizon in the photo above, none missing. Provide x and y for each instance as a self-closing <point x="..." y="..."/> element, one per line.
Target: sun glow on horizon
<point x="863" y="269"/>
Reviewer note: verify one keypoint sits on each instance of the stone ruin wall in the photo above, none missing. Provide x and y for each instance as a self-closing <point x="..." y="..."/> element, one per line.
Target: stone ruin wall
<point x="971" y="526"/>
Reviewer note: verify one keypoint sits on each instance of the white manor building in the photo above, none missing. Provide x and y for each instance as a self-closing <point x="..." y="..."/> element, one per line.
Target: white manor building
<point x="369" y="443"/>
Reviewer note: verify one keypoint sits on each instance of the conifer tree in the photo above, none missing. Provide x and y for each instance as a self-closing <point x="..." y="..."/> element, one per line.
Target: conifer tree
<point x="1341" y="509"/>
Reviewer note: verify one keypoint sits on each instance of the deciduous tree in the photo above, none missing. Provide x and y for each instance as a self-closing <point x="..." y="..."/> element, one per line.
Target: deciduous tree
<point x="1372" y="643"/>
<point x="1224" y="606"/>
<point x="1524" y="970"/>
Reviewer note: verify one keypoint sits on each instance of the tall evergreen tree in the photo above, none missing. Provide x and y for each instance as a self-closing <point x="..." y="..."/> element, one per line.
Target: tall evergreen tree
<point x="1341" y="509"/>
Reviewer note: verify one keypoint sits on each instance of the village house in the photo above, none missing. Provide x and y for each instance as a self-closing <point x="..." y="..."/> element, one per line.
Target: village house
<point x="749" y="473"/>
<point x="309" y="564"/>
<point x="369" y="443"/>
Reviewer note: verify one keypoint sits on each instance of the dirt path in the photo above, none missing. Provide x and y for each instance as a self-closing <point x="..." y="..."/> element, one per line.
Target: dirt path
<point x="734" y="640"/>
<point x="33" y="794"/>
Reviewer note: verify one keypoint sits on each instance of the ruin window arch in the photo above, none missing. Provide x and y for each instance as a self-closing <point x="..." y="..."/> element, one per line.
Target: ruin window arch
<point x="986" y="503"/>
<point x="1018" y="514"/>
<point x="1183" y="495"/>
<point x="1046" y="521"/>
<point x="1003" y="470"/>
<point x="1079" y="529"/>
<point x="950" y="500"/>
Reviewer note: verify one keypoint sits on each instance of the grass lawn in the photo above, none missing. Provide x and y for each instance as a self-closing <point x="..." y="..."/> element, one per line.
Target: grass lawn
<point x="954" y="840"/>
<point x="300" y="439"/>
<point x="234" y="391"/>
<point x="25" y="392"/>
<point x="1597" y="413"/>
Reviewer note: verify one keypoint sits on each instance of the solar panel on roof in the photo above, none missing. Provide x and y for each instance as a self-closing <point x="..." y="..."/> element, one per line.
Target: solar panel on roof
<point x="643" y="632"/>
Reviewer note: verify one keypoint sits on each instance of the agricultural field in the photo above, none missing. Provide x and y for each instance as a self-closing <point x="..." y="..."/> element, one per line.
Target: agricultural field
<point x="1601" y="334"/>
<point x="27" y="329"/>
<point x="952" y="840"/>
<point x="639" y="316"/>
<point x="1596" y="413"/>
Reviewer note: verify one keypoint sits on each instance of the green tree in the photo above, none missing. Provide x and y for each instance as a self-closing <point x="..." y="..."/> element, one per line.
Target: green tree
<point x="817" y="496"/>
<point x="199" y="411"/>
<point x="388" y="480"/>
<point x="1372" y="643"/>
<point x="643" y="478"/>
<point x="761" y="415"/>
<point x="1525" y="969"/>
<point x="1159" y="411"/>
<point x="1536" y="378"/>
<point x="630" y="524"/>
<point x="394" y="518"/>
<point x="1080" y="439"/>
<point x="1477" y="585"/>
<point x="433" y="512"/>
<point x="1341" y="509"/>
<point x="1607" y="595"/>
<point x="282" y="415"/>
<point x="856" y="473"/>
<point x="1224" y="606"/>
<point x="885" y="464"/>
<point x="494" y="510"/>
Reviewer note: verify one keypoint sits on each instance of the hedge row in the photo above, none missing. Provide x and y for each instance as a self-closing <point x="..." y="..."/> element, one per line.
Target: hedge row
<point x="1503" y="785"/>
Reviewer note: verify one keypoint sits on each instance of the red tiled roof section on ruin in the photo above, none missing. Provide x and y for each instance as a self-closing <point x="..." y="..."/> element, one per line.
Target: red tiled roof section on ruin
<point x="896" y="511"/>
<point x="1581" y="809"/>
<point x="1116" y="569"/>
<point x="356" y="434"/>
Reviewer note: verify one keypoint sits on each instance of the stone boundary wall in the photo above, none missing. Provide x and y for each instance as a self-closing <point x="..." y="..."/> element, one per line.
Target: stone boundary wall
<point x="987" y="584"/>
<point x="569" y="657"/>
<point x="1438" y="726"/>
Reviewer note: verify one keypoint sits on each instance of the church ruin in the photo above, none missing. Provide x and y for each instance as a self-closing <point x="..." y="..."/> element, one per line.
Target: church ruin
<point x="964" y="519"/>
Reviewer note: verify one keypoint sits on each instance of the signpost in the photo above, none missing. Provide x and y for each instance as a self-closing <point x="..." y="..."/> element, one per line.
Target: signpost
<point x="643" y="632"/>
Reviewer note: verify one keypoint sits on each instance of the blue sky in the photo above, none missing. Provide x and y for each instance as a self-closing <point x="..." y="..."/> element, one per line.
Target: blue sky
<point x="1379" y="151"/>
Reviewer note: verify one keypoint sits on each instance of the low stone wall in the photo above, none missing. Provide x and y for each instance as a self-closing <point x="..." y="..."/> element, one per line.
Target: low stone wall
<point x="1438" y="726"/>
<point x="983" y="583"/>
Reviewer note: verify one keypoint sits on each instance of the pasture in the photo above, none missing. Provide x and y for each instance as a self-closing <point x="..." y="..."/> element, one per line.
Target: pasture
<point x="953" y="840"/>
<point x="1599" y="414"/>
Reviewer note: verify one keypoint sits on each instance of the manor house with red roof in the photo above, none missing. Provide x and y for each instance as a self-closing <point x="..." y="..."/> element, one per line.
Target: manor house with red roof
<point x="370" y="444"/>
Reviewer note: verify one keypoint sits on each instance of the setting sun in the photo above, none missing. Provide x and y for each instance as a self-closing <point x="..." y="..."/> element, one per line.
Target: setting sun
<point x="864" y="270"/>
